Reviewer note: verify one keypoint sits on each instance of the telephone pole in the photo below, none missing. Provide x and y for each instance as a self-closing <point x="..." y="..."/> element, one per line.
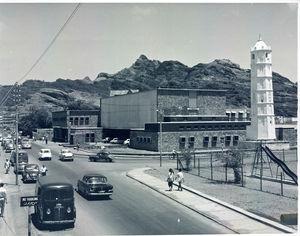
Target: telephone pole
<point x="16" y="98"/>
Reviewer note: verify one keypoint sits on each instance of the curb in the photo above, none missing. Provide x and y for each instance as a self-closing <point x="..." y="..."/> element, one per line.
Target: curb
<point x="278" y="226"/>
<point x="199" y="212"/>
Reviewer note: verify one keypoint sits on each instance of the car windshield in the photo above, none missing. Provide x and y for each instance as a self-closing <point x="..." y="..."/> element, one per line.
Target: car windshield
<point x="65" y="151"/>
<point x="46" y="151"/>
<point x="96" y="180"/>
<point x="32" y="167"/>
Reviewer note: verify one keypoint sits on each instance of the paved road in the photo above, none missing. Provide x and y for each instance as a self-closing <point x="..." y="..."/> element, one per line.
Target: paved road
<point x="132" y="209"/>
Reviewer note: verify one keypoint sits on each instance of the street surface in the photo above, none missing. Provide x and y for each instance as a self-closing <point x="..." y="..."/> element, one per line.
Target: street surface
<point x="132" y="209"/>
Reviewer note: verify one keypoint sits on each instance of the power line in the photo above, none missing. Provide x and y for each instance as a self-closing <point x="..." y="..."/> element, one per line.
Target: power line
<point x="43" y="53"/>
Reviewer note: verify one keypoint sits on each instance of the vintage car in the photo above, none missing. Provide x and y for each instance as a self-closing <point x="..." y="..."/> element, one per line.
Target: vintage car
<point x="26" y="144"/>
<point x="45" y="154"/>
<point x="102" y="155"/>
<point x="55" y="202"/>
<point x="127" y="142"/>
<point x="9" y="147"/>
<point x="94" y="185"/>
<point x="22" y="161"/>
<point x="66" y="155"/>
<point x="106" y="140"/>
<point x="31" y="173"/>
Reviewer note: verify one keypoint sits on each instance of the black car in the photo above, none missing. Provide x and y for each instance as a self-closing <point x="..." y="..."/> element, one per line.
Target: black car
<point x="103" y="155"/>
<point x="94" y="185"/>
<point x="22" y="161"/>
<point x="55" y="202"/>
<point x="31" y="173"/>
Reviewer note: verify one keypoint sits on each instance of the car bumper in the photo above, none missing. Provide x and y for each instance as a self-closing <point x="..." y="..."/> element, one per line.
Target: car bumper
<point x="67" y="158"/>
<point x="53" y="222"/>
<point x="100" y="194"/>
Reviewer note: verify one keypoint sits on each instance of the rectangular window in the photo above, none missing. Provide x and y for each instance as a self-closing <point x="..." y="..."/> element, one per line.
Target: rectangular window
<point x="76" y="121"/>
<point x="196" y="127"/>
<point x="205" y="141"/>
<point x="182" y="139"/>
<point x="71" y="121"/>
<point x="214" y="141"/>
<point x="227" y="141"/>
<point x="202" y="127"/>
<point x="191" y="142"/>
<point x="188" y="128"/>
<point x="92" y="139"/>
<point x="87" y="120"/>
<point x="235" y="140"/>
<point x="181" y="127"/>
<point x="87" y="138"/>
<point x="148" y="140"/>
<point x="81" y="121"/>
<point x="145" y="140"/>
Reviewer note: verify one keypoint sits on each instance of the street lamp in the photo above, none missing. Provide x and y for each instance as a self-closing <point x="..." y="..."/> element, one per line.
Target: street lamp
<point x="160" y="131"/>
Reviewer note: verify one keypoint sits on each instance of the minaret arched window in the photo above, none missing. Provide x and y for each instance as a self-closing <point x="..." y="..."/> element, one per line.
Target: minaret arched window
<point x="267" y="54"/>
<point x="253" y="56"/>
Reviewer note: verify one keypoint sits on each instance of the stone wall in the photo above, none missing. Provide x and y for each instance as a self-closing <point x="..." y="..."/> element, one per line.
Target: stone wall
<point x="171" y="140"/>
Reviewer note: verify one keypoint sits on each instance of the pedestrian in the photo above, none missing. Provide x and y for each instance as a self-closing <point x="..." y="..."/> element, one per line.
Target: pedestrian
<point x="180" y="179"/>
<point x="174" y="154"/>
<point x="170" y="179"/>
<point x="6" y="166"/>
<point x="46" y="140"/>
<point x="3" y="198"/>
<point x="43" y="170"/>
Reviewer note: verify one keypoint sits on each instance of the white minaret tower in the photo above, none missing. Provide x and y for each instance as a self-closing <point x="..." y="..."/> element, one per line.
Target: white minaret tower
<point x="262" y="109"/>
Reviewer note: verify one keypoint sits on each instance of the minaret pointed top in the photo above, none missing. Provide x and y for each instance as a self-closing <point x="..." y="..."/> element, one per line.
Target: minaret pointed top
<point x="259" y="38"/>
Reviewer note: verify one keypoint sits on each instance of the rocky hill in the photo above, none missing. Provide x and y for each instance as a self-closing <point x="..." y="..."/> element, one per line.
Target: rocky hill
<point x="147" y="74"/>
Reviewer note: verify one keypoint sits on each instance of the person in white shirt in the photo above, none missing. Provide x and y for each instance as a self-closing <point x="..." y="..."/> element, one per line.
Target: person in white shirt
<point x="180" y="179"/>
<point x="6" y="166"/>
<point x="43" y="170"/>
<point x="3" y="198"/>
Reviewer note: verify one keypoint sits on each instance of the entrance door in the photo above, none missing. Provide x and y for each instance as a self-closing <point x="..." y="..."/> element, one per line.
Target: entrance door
<point x="71" y="139"/>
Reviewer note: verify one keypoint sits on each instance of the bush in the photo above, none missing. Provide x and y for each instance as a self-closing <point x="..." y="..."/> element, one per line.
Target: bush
<point x="186" y="156"/>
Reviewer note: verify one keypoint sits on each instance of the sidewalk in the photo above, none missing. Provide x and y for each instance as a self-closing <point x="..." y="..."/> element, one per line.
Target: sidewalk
<point x="234" y="218"/>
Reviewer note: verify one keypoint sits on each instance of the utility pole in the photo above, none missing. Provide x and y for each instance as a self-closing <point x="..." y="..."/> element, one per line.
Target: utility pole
<point x="16" y="96"/>
<point x="161" y="141"/>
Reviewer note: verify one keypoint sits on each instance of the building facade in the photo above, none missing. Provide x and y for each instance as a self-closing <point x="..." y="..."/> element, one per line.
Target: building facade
<point x="262" y="108"/>
<point x="184" y="118"/>
<point x="76" y="126"/>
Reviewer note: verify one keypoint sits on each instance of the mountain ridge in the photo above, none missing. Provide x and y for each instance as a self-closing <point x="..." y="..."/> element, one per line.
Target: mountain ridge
<point x="145" y="74"/>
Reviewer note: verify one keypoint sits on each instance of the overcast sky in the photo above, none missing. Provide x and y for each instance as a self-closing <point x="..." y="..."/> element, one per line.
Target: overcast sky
<point x="109" y="37"/>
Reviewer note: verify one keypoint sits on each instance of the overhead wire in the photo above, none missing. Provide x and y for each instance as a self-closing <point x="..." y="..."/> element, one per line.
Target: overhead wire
<point x="43" y="53"/>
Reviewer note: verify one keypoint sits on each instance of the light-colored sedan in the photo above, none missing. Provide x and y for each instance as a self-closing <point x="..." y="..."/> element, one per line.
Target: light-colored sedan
<point x="66" y="155"/>
<point x="45" y="154"/>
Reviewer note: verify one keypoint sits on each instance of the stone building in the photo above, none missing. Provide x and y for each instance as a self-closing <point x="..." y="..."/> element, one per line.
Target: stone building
<point x="76" y="126"/>
<point x="186" y="118"/>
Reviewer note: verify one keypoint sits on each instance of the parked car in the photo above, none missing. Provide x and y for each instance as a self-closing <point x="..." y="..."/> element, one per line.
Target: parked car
<point x="106" y="140"/>
<point x="102" y="155"/>
<point x="31" y="173"/>
<point x="66" y="155"/>
<point x="22" y="161"/>
<point x="9" y="147"/>
<point x="94" y="185"/>
<point x="45" y="154"/>
<point x="26" y="144"/>
<point x="114" y="140"/>
<point x="127" y="142"/>
<point x="55" y="202"/>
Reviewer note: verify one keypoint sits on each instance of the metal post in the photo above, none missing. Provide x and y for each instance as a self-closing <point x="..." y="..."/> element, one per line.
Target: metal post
<point x="29" y="221"/>
<point x="226" y="172"/>
<point x="261" y="166"/>
<point x="17" y="148"/>
<point x="194" y="159"/>
<point x="160" y="150"/>
<point x="177" y="160"/>
<point x="242" y="171"/>
<point x="211" y="167"/>
<point x="199" y="166"/>
<point x="281" y="183"/>
<point x="283" y="156"/>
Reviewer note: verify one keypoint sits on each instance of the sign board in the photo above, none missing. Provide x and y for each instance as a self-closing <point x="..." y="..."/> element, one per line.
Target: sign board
<point x="28" y="201"/>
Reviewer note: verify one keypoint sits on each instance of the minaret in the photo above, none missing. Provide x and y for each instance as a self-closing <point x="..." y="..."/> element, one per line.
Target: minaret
<point x="262" y="108"/>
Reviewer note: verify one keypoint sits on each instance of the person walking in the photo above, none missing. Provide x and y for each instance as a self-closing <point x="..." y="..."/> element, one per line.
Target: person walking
<point x="43" y="170"/>
<point x="180" y="179"/>
<point x="170" y="179"/>
<point x="3" y="198"/>
<point x="6" y="166"/>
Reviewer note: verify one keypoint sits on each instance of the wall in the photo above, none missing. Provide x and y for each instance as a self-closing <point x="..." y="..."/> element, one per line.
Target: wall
<point x="129" y="111"/>
<point x="170" y="140"/>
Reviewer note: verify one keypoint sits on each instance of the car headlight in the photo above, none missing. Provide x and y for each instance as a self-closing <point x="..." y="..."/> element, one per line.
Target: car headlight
<point x="48" y="212"/>
<point x="69" y="210"/>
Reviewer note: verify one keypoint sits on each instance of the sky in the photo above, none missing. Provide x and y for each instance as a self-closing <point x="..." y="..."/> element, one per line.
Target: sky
<point x="108" y="37"/>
